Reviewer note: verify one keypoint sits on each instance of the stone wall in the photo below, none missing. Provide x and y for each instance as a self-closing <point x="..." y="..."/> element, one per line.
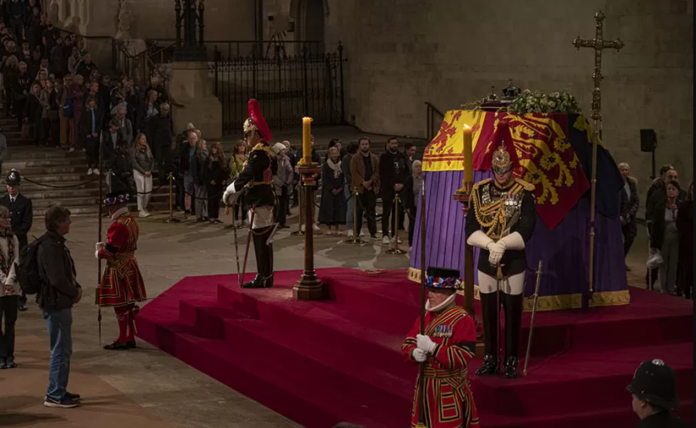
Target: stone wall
<point x="153" y="19"/>
<point x="402" y="53"/>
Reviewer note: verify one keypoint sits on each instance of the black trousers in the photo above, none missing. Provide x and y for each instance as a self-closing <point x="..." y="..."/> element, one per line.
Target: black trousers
<point x="653" y="274"/>
<point x="367" y="201"/>
<point x="388" y="213"/>
<point x="54" y="136"/>
<point x="281" y="210"/>
<point x="411" y="225"/>
<point x="512" y="306"/>
<point x="264" y="252"/>
<point x="92" y="151"/>
<point x="629" y="235"/>
<point x="213" y="200"/>
<point x="8" y="313"/>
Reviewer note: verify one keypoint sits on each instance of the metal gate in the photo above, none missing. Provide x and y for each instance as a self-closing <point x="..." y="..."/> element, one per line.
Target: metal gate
<point x="288" y="88"/>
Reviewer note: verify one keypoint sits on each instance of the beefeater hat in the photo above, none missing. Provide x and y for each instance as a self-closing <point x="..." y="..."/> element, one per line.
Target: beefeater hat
<point x="439" y="277"/>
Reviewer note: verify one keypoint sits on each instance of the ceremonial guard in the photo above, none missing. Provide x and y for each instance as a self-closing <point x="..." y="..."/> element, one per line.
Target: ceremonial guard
<point x="501" y="222"/>
<point x="446" y="347"/>
<point x="260" y="197"/>
<point x="122" y="285"/>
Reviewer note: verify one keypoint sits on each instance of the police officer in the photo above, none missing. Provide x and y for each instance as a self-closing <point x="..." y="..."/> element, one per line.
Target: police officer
<point x="654" y="396"/>
<point x="21" y="216"/>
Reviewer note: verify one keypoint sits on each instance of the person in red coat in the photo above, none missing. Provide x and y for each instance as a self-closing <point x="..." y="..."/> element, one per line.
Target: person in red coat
<point x="122" y="284"/>
<point x="446" y="347"/>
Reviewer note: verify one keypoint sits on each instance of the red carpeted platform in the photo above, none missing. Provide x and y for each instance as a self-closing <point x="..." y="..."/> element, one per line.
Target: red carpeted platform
<point x="320" y="363"/>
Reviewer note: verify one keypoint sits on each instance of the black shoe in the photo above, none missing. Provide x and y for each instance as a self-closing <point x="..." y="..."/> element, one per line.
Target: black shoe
<point x="255" y="283"/>
<point x="511" y="368"/>
<point x="10" y="363"/>
<point x="284" y="226"/>
<point x="3" y="364"/>
<point x="116" y="346"/>
<point x="75" y="397"/>
<point x="131" y="344"/>
<point x="65" y="403"/>
<point x="22" y="307"/>
<point x="489" y="367"/>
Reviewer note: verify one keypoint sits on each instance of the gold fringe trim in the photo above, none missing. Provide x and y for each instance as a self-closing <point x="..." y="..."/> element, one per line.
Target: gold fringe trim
<point x="558" y="302"/>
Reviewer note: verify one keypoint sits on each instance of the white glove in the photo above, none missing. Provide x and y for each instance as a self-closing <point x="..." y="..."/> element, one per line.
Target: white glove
<point x="231" y="195"/>
<point x="98" y="246"/>
<point x="420" y="355"/>
<point x="512" y="241"/>
<point x="496" y="251"/>
<point x="425" y="343"/>
<point x="479" y="239"/>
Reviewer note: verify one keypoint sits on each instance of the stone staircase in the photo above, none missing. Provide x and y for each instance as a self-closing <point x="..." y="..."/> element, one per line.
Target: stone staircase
<point x="62" y="176"/>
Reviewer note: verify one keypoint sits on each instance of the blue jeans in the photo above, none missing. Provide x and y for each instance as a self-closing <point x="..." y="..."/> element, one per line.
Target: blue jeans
<point x="349" y="203"/>
<point x="59" y="325"/>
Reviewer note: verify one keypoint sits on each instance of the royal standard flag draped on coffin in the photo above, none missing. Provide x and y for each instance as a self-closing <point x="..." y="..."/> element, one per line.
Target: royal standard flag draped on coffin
<point x="540" y="147"/>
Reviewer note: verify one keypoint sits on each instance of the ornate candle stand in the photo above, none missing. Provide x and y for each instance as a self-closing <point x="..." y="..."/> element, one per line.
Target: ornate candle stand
<point x="309" y="287"/>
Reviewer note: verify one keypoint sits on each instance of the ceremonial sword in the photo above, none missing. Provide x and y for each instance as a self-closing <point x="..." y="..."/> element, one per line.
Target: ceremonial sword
<point x="531" y="323"/>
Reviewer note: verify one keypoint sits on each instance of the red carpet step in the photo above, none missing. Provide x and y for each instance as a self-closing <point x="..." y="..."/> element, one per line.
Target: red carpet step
<point x="320" y="363"/>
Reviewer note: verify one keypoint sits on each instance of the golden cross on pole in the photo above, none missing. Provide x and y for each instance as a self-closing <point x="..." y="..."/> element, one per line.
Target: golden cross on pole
<point x="598" y="44"/>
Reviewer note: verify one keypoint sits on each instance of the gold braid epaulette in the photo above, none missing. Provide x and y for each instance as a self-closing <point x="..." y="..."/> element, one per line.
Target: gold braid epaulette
<point x="525" y="184"/>
<point x="265" y="148"/>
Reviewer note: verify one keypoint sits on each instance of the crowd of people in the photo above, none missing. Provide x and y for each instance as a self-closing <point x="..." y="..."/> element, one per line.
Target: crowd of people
<point x="669" y="222"/>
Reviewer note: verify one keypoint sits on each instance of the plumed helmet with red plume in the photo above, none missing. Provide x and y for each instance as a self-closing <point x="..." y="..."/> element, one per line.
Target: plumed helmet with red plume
<point x="256" y="122"/>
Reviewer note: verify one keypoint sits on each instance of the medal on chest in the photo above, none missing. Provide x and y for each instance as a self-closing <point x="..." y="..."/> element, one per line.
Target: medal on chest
<point x="443" y="331"/>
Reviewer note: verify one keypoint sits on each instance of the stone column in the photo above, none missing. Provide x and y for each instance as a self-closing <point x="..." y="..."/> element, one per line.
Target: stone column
<point x="190" y="86"/>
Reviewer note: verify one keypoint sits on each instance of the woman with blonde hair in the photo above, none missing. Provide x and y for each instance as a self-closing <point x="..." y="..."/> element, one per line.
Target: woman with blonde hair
<point x="143" y="164"/>
<point x="214" y="175"/>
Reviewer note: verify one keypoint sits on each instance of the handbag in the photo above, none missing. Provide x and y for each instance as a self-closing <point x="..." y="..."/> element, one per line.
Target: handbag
<point x="654" y="259"/>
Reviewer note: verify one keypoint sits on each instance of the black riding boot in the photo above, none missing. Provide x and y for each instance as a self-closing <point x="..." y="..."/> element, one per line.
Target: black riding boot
<point x="489" y="313"/>
<point x="258" y="251"/>
<point x="513" y="322"/>
<point x="264" y="260"/>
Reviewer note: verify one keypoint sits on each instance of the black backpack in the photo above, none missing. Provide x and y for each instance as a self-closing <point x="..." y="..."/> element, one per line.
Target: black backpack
<point x="29" y="277"/>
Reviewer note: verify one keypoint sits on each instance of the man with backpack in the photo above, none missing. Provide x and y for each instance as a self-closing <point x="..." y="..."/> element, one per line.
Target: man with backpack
<point x="47" y="269"/>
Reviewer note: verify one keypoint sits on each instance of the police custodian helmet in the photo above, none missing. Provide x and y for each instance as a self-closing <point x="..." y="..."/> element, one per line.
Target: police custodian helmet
<point x="655" y="382"/>
<point x="13" y="178"/>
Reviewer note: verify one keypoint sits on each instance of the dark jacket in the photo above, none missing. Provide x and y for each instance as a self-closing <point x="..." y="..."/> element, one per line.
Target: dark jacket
<point x="215" y="171"/>
<point x="657" y="226"/>
<point x="259" y="163"/>
<point x="393" y="169"/>
<point x="57" y="271"/>
<point x="162" y="131"/>
<point x="197" y="168"/>
<point x="109" y="148"/>
<point x="21" y="216"/>
<point x="85" y="127"/>
<point x="122" y="179"/>
<point x="662" y="420"/>
<point x="630" y="204"/>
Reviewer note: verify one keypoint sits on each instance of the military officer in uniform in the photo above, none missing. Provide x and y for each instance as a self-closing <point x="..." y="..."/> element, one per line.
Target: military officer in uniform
<point x="21" y="216"/>
<point x="500" y="222"/>
<point x="654" y="396"/>
<point x="446" y="348"/>
<point x="260" y="197"/>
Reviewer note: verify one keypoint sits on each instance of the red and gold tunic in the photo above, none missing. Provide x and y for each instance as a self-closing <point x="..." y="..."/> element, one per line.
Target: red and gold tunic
<point x="449" y="402"/>
<point x="121" y="283"/>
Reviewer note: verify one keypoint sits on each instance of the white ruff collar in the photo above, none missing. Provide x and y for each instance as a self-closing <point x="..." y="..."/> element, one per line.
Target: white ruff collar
<point x="119" y="212"/>
<point x="442" y="305"/>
